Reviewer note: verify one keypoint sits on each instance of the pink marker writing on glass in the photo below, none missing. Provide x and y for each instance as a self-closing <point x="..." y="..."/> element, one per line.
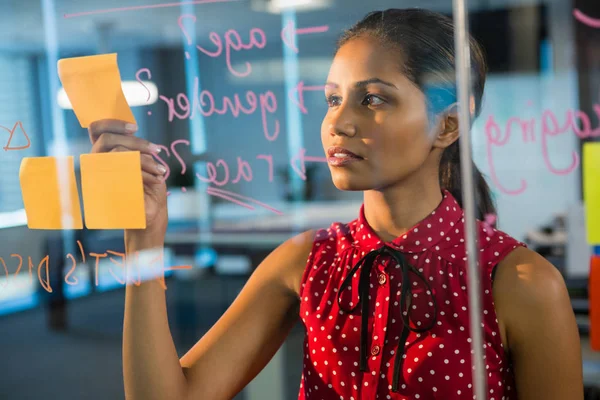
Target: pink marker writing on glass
<point x="549" y="127"/>
<point x="301" y="158"/>
<point x="233" y="41"/>
<point x="143" y="7"/>
<point x="296" y="94"/>
<point x="11" y="132"/>
<point x="239" y="199"/>
<point x="586" y="20"/>
<point x="188" y="37"/>
<point x="289" y="33"/>
<point x="219" y="173"/>
<point x="181" y="107"/>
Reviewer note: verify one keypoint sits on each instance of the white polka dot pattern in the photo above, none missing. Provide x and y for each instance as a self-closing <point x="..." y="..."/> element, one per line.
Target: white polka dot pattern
<point x="436" y="364"/>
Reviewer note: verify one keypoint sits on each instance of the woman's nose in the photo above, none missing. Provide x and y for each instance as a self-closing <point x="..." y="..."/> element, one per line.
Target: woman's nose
<point x="342" y="124"/>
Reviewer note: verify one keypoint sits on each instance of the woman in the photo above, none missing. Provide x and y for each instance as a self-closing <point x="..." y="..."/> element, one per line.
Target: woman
<point x="383" y="298"/>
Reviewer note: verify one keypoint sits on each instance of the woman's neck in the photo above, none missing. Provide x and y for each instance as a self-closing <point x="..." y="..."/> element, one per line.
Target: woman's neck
<point x="393" y="211"/>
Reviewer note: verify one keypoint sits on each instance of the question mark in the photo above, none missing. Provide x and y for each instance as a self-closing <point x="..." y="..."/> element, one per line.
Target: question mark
<point x="137" y="78"/>
<point x="187" y="36"/>
<point x="178" y="157"/>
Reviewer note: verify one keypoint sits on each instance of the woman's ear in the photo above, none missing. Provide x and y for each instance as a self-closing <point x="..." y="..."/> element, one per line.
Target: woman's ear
<point x="449" y="131"/>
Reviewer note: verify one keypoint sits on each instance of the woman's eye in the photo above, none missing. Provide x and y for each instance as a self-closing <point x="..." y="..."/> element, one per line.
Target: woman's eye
<point x="372" y="100"/>
<point x="333" y="101"/>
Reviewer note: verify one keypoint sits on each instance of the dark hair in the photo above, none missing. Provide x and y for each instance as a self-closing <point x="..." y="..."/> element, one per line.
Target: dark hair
<point x="426" y="41"/>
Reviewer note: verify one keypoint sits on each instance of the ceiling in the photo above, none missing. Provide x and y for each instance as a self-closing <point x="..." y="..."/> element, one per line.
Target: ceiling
<point x="145" y="22"/>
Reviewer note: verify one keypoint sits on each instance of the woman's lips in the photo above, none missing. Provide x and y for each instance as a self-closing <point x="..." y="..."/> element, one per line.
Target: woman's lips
<point x="338" y="162"/>
<point x="338" y="156"/>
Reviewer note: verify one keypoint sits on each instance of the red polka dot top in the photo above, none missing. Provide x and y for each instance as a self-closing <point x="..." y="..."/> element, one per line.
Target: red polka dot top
<point x="390" y="320"/>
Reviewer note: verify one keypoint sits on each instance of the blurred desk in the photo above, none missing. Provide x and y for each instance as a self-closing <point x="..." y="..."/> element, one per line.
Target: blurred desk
<point x="237" y="230"/>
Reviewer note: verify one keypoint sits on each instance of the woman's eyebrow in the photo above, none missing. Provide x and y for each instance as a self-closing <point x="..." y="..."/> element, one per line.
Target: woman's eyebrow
<point x="362" y="84"/>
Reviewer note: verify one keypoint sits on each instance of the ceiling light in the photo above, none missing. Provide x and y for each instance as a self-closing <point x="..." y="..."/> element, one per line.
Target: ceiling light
<point x="135" y="94"/>
<point x="278" y="6"/>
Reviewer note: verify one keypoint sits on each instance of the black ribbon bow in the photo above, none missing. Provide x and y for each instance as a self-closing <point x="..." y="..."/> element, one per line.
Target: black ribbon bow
<point x="367" y="263"/>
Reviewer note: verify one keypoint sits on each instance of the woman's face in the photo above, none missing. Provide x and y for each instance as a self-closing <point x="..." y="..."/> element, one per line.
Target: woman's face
<point x="377" y="114"/>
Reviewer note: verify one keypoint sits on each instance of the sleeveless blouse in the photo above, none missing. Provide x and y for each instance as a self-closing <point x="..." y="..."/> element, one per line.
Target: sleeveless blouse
<point x="390" y="320"/>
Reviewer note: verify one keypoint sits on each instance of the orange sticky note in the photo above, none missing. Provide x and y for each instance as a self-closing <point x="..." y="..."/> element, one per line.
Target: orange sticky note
<point x="93" y="86"/>
<point x="49" y="191"/>
<point x="113" y="190"/>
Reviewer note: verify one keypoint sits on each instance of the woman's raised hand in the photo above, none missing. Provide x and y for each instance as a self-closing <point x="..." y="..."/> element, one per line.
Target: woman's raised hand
<point x="114" y="135"/>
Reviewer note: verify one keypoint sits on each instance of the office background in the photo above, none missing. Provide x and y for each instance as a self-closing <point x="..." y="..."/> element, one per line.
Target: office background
<point x="542" y="59"/>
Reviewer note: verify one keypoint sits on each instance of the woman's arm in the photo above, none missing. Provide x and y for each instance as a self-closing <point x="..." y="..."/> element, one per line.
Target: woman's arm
<point x="232" y="352"/>
<point x="251" y="331"/>
<point x="533" y="304"/>
<point x="151" y="368"/>
<point x="241" y="342"/>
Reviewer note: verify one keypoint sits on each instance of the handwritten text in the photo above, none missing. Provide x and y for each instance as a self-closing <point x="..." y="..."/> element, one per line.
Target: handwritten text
<point x="586" y="20"/>
<point x="124" y="263"/>
<point x="550" y="127"/>
<point x="232" y="41"/>
<point x="204" y="102"/>
<point x="11" y="132"/>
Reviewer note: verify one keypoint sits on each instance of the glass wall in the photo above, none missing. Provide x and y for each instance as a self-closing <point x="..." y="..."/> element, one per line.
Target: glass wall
<point x="233" y="91"/>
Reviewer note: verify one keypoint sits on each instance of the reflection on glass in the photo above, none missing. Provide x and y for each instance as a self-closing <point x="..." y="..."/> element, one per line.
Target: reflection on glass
<point x="268" y="126"/>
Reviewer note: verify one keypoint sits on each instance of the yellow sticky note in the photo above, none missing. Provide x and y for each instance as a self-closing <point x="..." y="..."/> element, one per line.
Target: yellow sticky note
<point x="113" y="190"/>
<point x="49" y="191"/>
<point x="93" y="86"/>
<point x="591" y="191"/>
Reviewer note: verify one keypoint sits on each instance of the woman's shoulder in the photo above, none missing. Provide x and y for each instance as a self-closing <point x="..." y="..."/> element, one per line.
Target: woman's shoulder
<point x="490" y="236"/>
<point x="521" y="275"/>
<point x="335" y="236"/>
<point x="495" y="245"/>
<point x="320" y="248"/>
<point x="528" y="287"/>
<point x="336" y="232"/>
<point x="529" y="274"/>
<point x="288" y="261"/>
<point x="308" y="248"/>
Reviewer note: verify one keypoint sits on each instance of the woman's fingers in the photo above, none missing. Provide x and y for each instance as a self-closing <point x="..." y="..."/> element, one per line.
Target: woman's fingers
<point x="150" y="165"/>
<point x="150" y="179"/>
<point x="108" y="141"/>
<point x="97" y="128"/>
<point x="109" y="135"/>
<point x="152" y="171"/>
